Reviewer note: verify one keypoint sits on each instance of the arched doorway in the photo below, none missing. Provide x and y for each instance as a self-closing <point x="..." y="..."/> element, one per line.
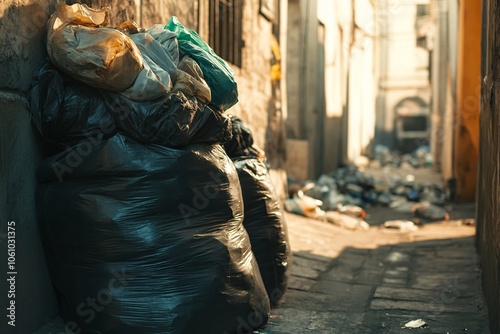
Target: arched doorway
<point x="412" y="124"/>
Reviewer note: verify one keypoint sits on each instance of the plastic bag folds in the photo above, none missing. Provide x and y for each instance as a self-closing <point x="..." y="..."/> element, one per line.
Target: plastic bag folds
<point x="160" y="64"/>
<point x="218" y="74"/>
<point x="264" y="220"/>
<point x="172" y="120"/>
<point x="66" y="111"/>
<point x="78" y="44"/>
<point x="155" y="235"/>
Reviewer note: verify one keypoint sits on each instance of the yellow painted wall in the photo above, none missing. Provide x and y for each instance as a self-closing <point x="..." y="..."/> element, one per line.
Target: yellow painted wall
<point x="468" y="100"/>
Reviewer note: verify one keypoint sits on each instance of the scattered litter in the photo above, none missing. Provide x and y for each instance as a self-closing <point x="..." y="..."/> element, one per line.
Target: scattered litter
<point x="352" y="210"/>
<point x="352" y="190"/>
<point x="402" y="225"/>
<point x="419" y="158"/>
<point x="262" y="331"/>
<point x="346" y="221"/>
<point x="415" y="324"/>
<point x="430" y="211"/>
<point x="401" y="204"/>
<point x="305" y="206"/>
<point x="468" y="222"/>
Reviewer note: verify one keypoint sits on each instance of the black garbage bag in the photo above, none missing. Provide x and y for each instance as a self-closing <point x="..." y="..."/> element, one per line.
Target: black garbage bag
<point x="217" y="129"/>
<point x="172" y="120"/>
<point x="264" y="220"/>
<point x="241" y="144"/>
<point x="149" y="239"/>
<point x="66" y="111"/>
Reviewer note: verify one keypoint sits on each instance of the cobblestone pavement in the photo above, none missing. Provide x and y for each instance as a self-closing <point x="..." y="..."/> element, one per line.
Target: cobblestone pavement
<point x="376" y="281"/>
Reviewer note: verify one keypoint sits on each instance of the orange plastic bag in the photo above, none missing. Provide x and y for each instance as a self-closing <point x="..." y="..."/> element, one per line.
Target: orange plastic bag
<point x="78" y="44"/>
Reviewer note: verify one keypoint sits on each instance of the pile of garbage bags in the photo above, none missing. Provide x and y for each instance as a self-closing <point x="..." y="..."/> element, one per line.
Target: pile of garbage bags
<point x="141" y="212"/>
<point x="349" y="191"/>
<point x="419" y="158"/>
<point x="264" y="220"/>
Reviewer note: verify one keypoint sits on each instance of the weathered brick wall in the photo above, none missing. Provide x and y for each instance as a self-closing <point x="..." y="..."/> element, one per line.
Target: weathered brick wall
<point x="253" y="78"/>
<point x="488" y="195"/>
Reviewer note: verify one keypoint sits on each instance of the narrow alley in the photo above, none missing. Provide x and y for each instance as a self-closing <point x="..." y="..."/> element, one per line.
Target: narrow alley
<point x="249" y="166"/>
<point x="376" y="281"/>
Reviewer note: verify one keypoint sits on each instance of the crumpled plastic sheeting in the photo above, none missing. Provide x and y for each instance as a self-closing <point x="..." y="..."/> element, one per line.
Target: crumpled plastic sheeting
<point x="266" y="226"/>
<point x="242" y="143"/>
<point x="160" y="64"/>
<point x="217" y="129"/>
<point x="264" y="219"/>
<point x="189" y="79"/>
<point x="218" y="74"/>
<point x="66" y="111"/>
<point x="78" y="44"/>
<point x="171" y="121"/>
<point x="154" y="235"/>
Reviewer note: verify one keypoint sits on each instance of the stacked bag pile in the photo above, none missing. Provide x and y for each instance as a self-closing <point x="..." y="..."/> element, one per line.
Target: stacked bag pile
<point x="140" y="208"/>
<point x="264" y="220"/>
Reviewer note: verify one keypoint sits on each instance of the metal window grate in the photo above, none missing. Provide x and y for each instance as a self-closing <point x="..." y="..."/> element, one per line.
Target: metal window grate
<point x="225" y="29"/>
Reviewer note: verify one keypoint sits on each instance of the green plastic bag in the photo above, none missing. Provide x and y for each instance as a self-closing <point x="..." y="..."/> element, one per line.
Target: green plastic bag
<point x="218" y="75"/>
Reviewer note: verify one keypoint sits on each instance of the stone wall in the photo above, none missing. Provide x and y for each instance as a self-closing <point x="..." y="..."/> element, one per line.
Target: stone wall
<point x="22" y="29"/>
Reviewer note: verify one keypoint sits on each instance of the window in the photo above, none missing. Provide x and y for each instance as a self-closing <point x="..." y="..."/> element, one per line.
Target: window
<point x="422" y="10"/>
<point x="422" y="41"/>
<point x="225" y="29"/>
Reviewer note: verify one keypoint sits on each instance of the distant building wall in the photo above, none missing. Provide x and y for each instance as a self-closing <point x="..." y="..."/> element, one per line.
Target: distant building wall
<point x="402" y="64"/>
<point x="331" y="85"/>
<point x="361" y="98"/>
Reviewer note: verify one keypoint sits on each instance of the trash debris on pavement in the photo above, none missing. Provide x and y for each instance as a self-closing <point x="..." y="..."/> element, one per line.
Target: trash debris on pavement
<point x="402" y="225"/>
<point x="415" y="324"/>
<point x="352" y="210"/>
<point x="350" y="187"/>
<point x="151" y="199"/>
<point x="305" y="206"/>
<point x="346" y="221"/>
<point x="468" y="222"/>
<point x="430" y="211"/>
<point x="419" y="158"/>
<point x="401" y="204"/>
<point x="263" y="219"/>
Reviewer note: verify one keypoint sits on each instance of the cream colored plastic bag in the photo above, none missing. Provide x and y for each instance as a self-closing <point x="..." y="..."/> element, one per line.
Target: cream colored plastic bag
<point x="78" y="44"/>
<point x="189" y="80"/>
